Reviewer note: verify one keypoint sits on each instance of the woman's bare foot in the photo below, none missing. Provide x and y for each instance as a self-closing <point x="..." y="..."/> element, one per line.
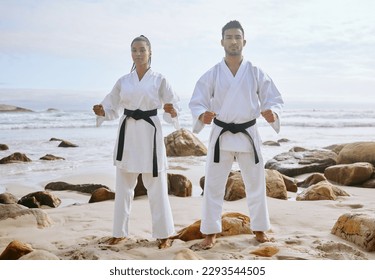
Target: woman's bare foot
<point x="165" y="243"/>
<point x="261" y="237"/>
<point x="115" y="240"/>
<point x="207" y="243"/>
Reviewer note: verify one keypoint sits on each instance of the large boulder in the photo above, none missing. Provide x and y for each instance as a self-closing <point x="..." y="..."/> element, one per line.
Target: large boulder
<point x="184" y="143"/>
<point x="39" y="199"/>
<point x="275" y="185"/>
<point x="15" y="158"/>
<point x="83" y="188"/>
<point x="15" y="250"/>
<point x="51" y="157"/>
<point x="178" y="185"/>
<point x="232" y="224"/>
<point x="323" y="190"/>
<point x="4" y="147"/>
<point x="101" y="194"/>
<point x="350" y="174"/>
<point x="356" y="228"/>
<point x="8" y="198"/>
<point x="301" y="161"/>
<point x="14" y="211"/>
<point x="357" y="152"/>
<point x="311" y="180"/>
<point x="67" y="144"/>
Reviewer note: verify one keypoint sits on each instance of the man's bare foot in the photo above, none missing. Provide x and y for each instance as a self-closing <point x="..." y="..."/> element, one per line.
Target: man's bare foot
<point x="115" y="240"/>
<point x="261" y="237"/>
<point x="165" y="243"/>
<point x="207" y="243"/>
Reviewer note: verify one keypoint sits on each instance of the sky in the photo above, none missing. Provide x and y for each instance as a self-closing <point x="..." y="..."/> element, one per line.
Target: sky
<point x="316" y="51"/>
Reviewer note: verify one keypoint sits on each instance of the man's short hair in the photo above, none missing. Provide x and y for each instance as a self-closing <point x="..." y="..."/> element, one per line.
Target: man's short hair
<point x="230" y="25"/>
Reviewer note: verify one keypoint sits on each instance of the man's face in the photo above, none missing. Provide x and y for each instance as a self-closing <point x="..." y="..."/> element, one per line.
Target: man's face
<point x="233" y="42"/>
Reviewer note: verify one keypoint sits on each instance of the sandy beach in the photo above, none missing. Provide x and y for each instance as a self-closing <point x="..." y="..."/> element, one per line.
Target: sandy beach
<point x="301" y="230"/>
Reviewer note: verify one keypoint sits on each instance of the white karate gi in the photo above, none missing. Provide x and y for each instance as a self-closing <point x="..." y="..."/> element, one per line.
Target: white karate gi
<point x="150" y="93"/>
<point x="234" y="99"/>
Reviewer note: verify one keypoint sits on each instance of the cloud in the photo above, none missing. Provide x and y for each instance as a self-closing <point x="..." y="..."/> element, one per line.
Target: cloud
<point x="291" y="40"/>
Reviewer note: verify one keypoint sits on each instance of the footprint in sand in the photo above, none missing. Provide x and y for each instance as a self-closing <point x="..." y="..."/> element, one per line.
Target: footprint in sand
<point x="340" y="251"/>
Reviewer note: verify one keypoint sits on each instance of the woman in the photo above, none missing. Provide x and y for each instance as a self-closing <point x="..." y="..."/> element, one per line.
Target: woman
<point x="140" y="146"/>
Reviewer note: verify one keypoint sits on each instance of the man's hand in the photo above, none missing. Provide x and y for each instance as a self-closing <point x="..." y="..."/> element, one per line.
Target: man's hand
<point x="168" y="108"/>
<point x="98" y="110"/>
<point x="269" y="116"/>
<point x="207" y="117"/>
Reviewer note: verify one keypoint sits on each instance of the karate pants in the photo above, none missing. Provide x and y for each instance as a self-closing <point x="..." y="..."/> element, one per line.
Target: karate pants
<point x="157" y="192"/>
<point x="214" y="190"/>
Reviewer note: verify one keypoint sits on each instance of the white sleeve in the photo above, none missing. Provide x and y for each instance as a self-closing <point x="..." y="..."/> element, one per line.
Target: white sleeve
<point x="167" y="95"/>
<point x="201" y="100"/>
<point x="269" y="97"/>
<point x="111" y="105"/>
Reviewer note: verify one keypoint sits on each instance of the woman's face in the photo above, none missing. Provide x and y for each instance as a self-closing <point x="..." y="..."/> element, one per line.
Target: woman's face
<point x="140" y="53"/>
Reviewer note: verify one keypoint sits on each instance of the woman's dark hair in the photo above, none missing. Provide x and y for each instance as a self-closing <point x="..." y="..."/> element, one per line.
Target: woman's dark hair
<point x="143" y="39"/>
<point x="230" y="25"/>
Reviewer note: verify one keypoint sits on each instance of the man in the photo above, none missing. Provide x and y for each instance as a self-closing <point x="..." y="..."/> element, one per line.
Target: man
<point x="232" y="95"/>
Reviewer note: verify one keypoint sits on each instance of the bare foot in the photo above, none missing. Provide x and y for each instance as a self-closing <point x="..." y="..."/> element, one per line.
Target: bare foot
<point x="115" y="240"/>
<point x="208" y="242"/>
<point x="165" y="243"/>
<point x="261" y="237"/>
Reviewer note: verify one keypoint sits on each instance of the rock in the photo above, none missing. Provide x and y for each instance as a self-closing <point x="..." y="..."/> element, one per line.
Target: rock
<point x="232" y="224"/>
<point x="8" y="198"/>
<point x="265" y="251"/>
<point x="67" y="144"/>
<point x="357" y="152"/>
<point x="15" y="158"/>
<point x="321" y="191"/>
<point x="39" y="199"/>
<point x="271" y="143"/>
<point x="235" y="187"/>
<point x="356" y="228"/>
<point x="275" y="185"/>
<point x="184" y="143"/>
<point x="101" y="194"/>
<point x="12" y="109"/>
<point x="301" y="161"/>
<point x="83" y="188"/>
<point x="336" y="148"/>
<point x="13" y="211"/>
<point x="312" y="180"/>
<point x="140" y="187"/>
<point x="51" y="157"/>
<point x="290" y="183"/>
<point x="179" y="185"/>
<point x="3" y="147"/>
<point x="283" y="140"/>
<point x="369" y="184"/>
<point x="15" y="250"/>
<point x="350" y="174"/>
<point x="39" y="255"/>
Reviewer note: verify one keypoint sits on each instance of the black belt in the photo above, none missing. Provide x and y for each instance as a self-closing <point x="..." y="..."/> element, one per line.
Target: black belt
<point x="234" y="128"/>
<point x="138" y="115"/>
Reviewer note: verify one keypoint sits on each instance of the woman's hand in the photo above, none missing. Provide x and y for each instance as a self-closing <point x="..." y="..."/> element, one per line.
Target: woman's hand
<point x="98" y="110"/>
<point x="168" y="108"/>
<point x="207" y="117"/>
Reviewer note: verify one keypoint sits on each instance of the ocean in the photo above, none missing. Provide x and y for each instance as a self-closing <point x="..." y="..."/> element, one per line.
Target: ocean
<point x="30" y="133"/>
